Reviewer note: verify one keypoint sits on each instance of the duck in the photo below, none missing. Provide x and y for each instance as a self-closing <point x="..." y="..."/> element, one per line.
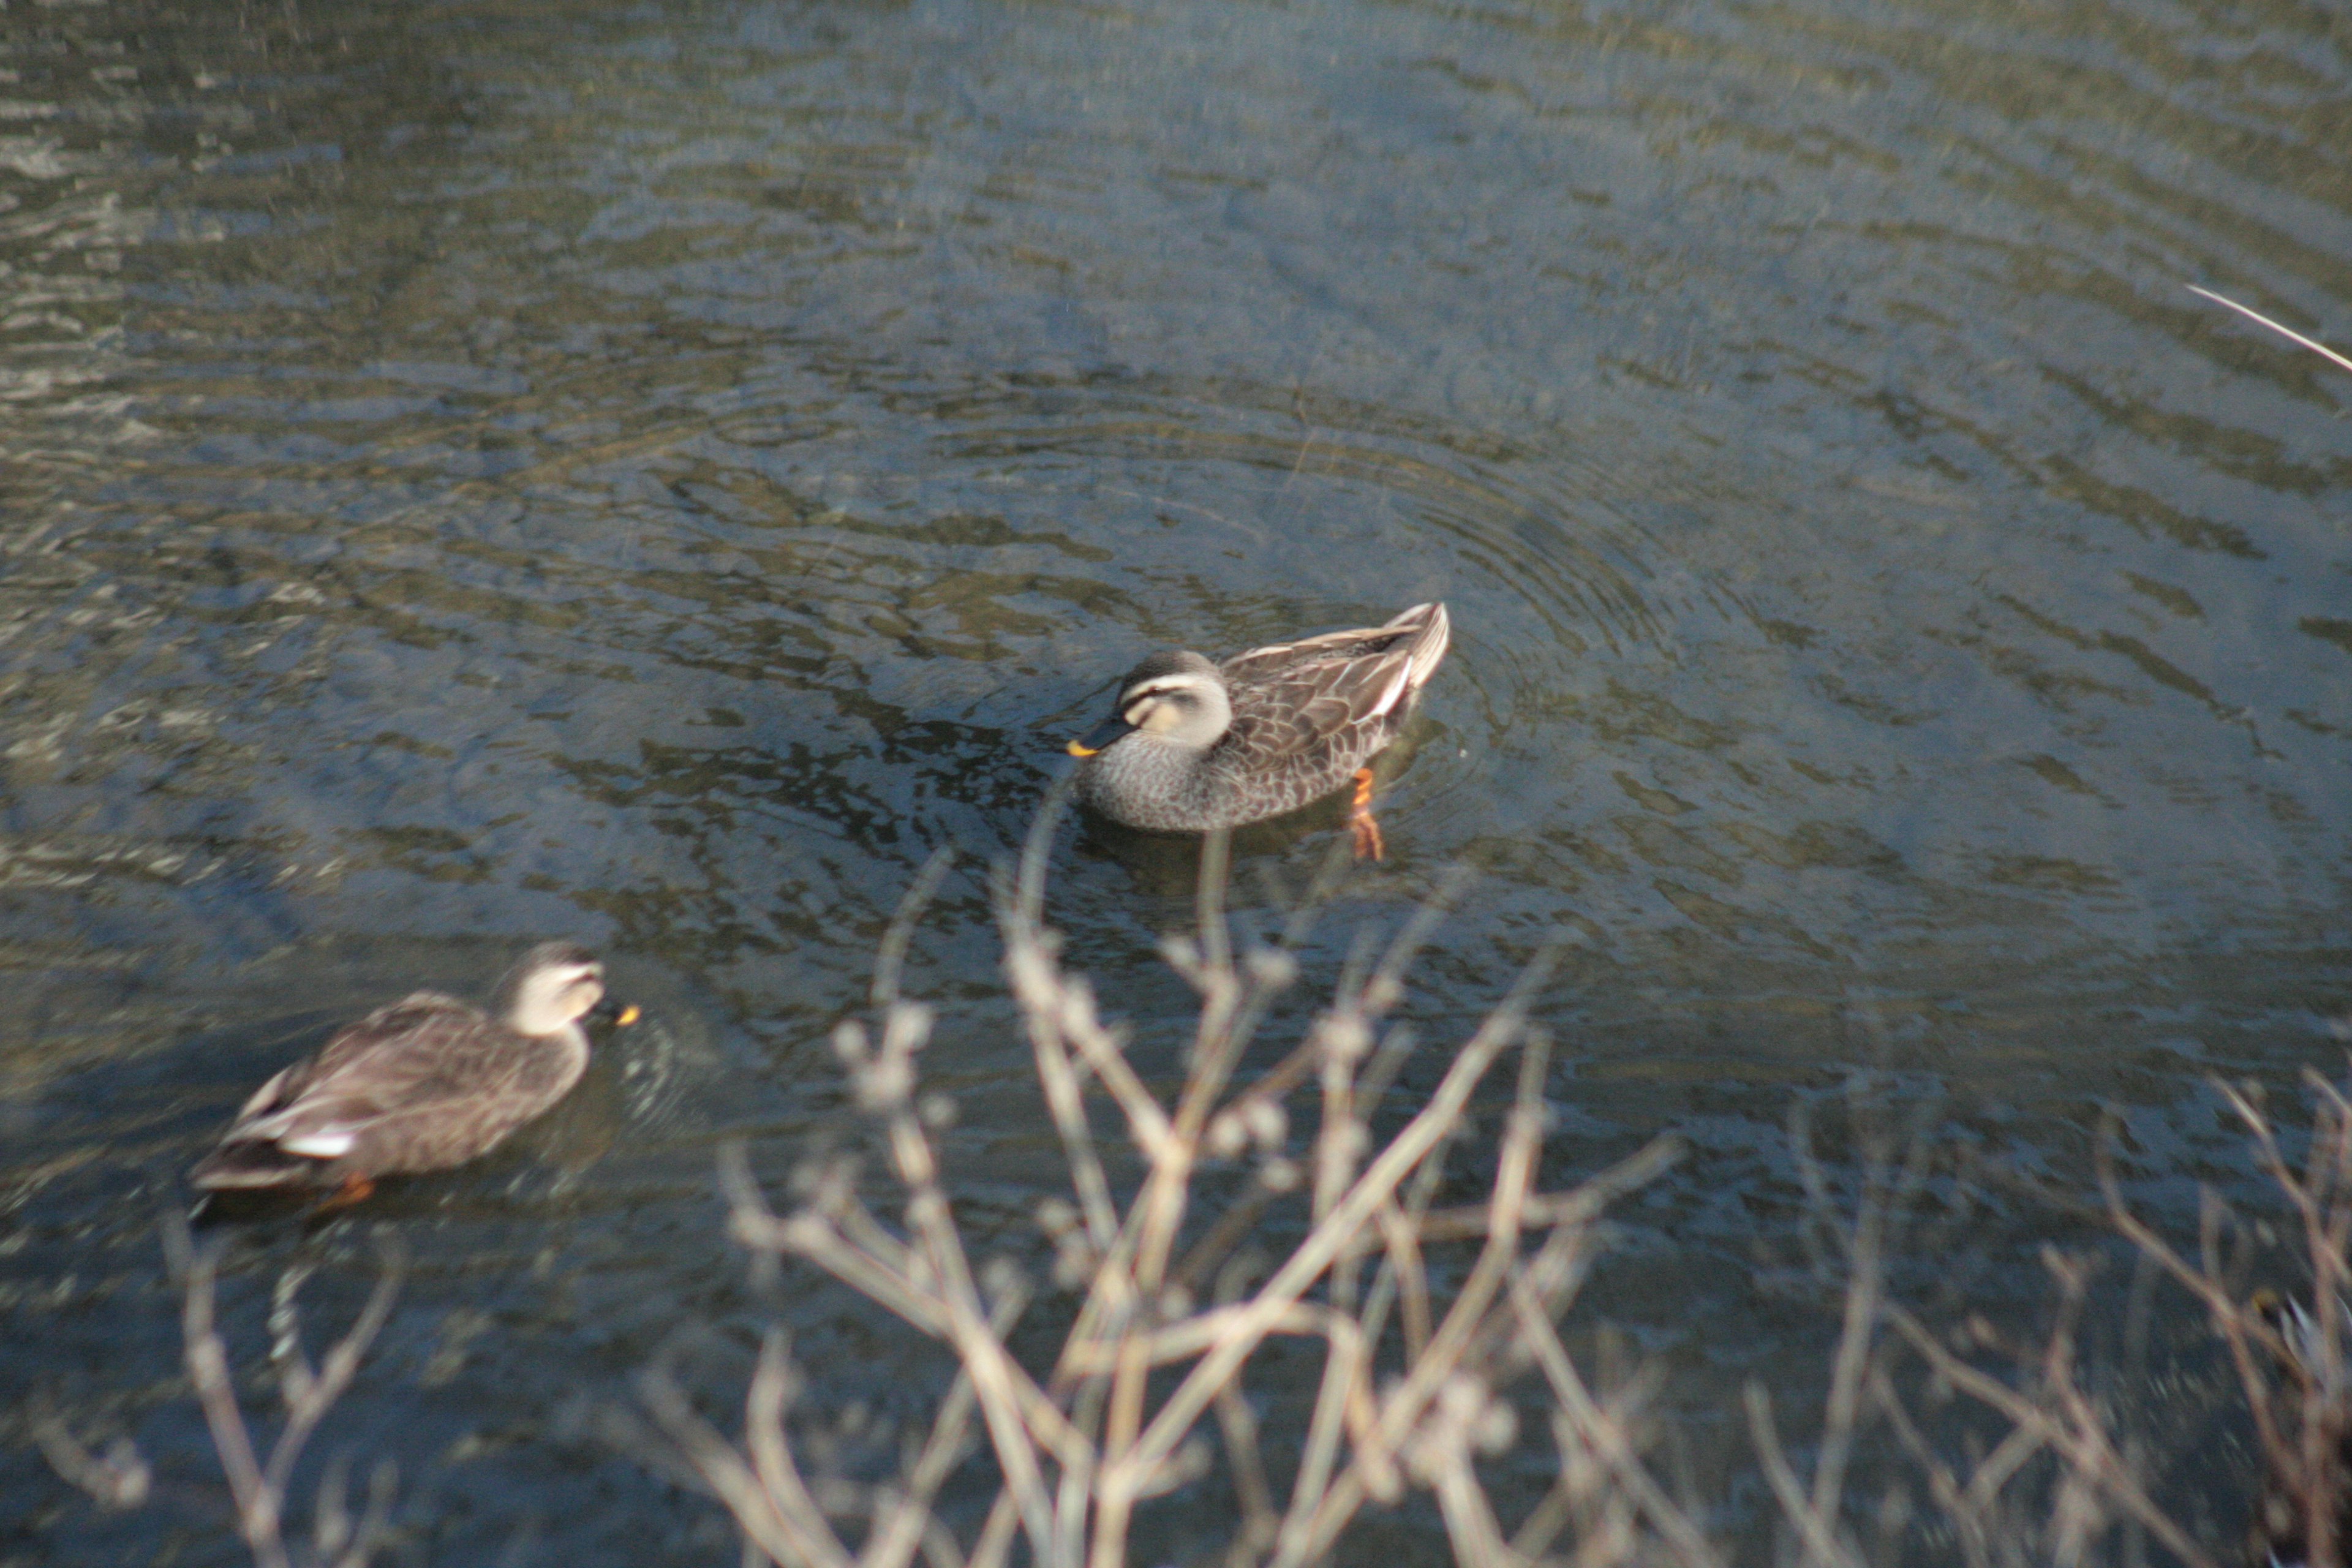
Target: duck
<point x="427" y="1083"/>
<point x="1193" y="745"/>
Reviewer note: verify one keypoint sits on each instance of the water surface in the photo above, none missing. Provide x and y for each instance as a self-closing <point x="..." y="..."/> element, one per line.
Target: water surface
<point x="476" y="473"/>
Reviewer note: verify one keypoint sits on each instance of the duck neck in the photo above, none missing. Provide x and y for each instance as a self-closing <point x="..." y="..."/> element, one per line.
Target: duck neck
<point x="541" y="1018"/>
<point x="574" y="1041"/>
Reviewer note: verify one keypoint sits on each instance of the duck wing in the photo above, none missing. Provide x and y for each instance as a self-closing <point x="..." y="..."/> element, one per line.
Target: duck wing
<point x="1297" y="696"/>
<point x="421" y="1057"/>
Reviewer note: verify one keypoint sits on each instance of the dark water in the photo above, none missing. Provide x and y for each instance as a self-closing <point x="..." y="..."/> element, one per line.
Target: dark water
<point x="475" y="473"/>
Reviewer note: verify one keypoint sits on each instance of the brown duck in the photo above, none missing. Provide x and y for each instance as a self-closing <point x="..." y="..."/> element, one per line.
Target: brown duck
<point x="1194" y="745"/>
<point x="424" y="1084"/>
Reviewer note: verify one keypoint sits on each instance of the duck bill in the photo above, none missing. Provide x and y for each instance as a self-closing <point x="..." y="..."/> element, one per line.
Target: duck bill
<point x="617" y="1013"/>
<point x="1101" y="735"/>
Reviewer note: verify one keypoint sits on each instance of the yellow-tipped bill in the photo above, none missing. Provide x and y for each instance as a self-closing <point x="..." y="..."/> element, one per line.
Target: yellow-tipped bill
<point x="1101" y="735"/>
<point x="629" y="1014"/>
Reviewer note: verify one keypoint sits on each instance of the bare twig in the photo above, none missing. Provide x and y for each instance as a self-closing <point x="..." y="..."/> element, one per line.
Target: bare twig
<point x="2289" y="333"/>
<point x="259" y="1486"/>
<point x="1078" y="1448"/>
<point x="116" y="1479"/>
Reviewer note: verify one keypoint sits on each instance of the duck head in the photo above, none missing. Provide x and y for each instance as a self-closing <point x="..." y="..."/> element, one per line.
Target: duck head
<point x="1177" y="698"/>
<point x="555" y="985"/>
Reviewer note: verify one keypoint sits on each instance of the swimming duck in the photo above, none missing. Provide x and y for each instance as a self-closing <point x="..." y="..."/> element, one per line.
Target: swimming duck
<point x="424" y="1084"/>
<point x="1193" y="745"/>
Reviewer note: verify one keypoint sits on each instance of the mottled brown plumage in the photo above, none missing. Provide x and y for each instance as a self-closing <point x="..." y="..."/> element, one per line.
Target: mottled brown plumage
<point x="1194" y="745"/>
<point x="424" y="1084"/>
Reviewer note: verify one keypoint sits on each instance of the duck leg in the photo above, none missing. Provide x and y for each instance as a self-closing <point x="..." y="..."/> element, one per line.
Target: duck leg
<point x="355" y="1189"/>
<point x="1363" y="828"/>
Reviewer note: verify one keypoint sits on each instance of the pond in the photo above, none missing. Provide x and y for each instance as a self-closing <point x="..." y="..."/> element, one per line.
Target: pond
<point x="653" y="475"/>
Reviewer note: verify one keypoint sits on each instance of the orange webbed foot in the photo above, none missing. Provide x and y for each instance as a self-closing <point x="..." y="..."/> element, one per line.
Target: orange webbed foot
<point x="1363" y="828"/>
<point x="355" y="1189"/>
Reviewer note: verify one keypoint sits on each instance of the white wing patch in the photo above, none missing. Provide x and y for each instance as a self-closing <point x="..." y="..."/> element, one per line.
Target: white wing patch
<point x="325" y="1143"/>
<point x="1397" y="689"/>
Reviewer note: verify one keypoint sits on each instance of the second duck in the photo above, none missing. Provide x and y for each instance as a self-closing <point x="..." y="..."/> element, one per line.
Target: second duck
<point x="422" y="1085"/>
<point x="1194" y="745"/>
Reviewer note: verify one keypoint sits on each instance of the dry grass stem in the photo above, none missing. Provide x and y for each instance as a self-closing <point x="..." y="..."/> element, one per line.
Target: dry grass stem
<point x="1152" y="1377"/>
<point x="2290" y="1359"/>
<point x="1999" y="1507"/>
<point x="2289" y="333"/>
<point x="1233" y="1208"/>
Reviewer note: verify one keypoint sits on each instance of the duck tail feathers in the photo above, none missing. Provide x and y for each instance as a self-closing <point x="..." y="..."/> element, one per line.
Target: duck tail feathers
<point x="246" y="1165"/>
<point x="1428" y="649"/>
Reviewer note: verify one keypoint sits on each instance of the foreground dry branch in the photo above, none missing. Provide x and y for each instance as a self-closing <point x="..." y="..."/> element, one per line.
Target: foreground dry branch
<point x="2057" y="1484"/>
<point x="1218" y="1230"/>
<point x="2063" y="1482"/>
<point x="259" y="1486"/>
<point x="2290" y="1356"/>
<point x="1158" y="1380"/>
<point x="1160" y="1349"/>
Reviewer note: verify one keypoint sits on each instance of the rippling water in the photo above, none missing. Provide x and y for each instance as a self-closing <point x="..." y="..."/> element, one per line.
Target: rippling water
<point x="480" y="472"/>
